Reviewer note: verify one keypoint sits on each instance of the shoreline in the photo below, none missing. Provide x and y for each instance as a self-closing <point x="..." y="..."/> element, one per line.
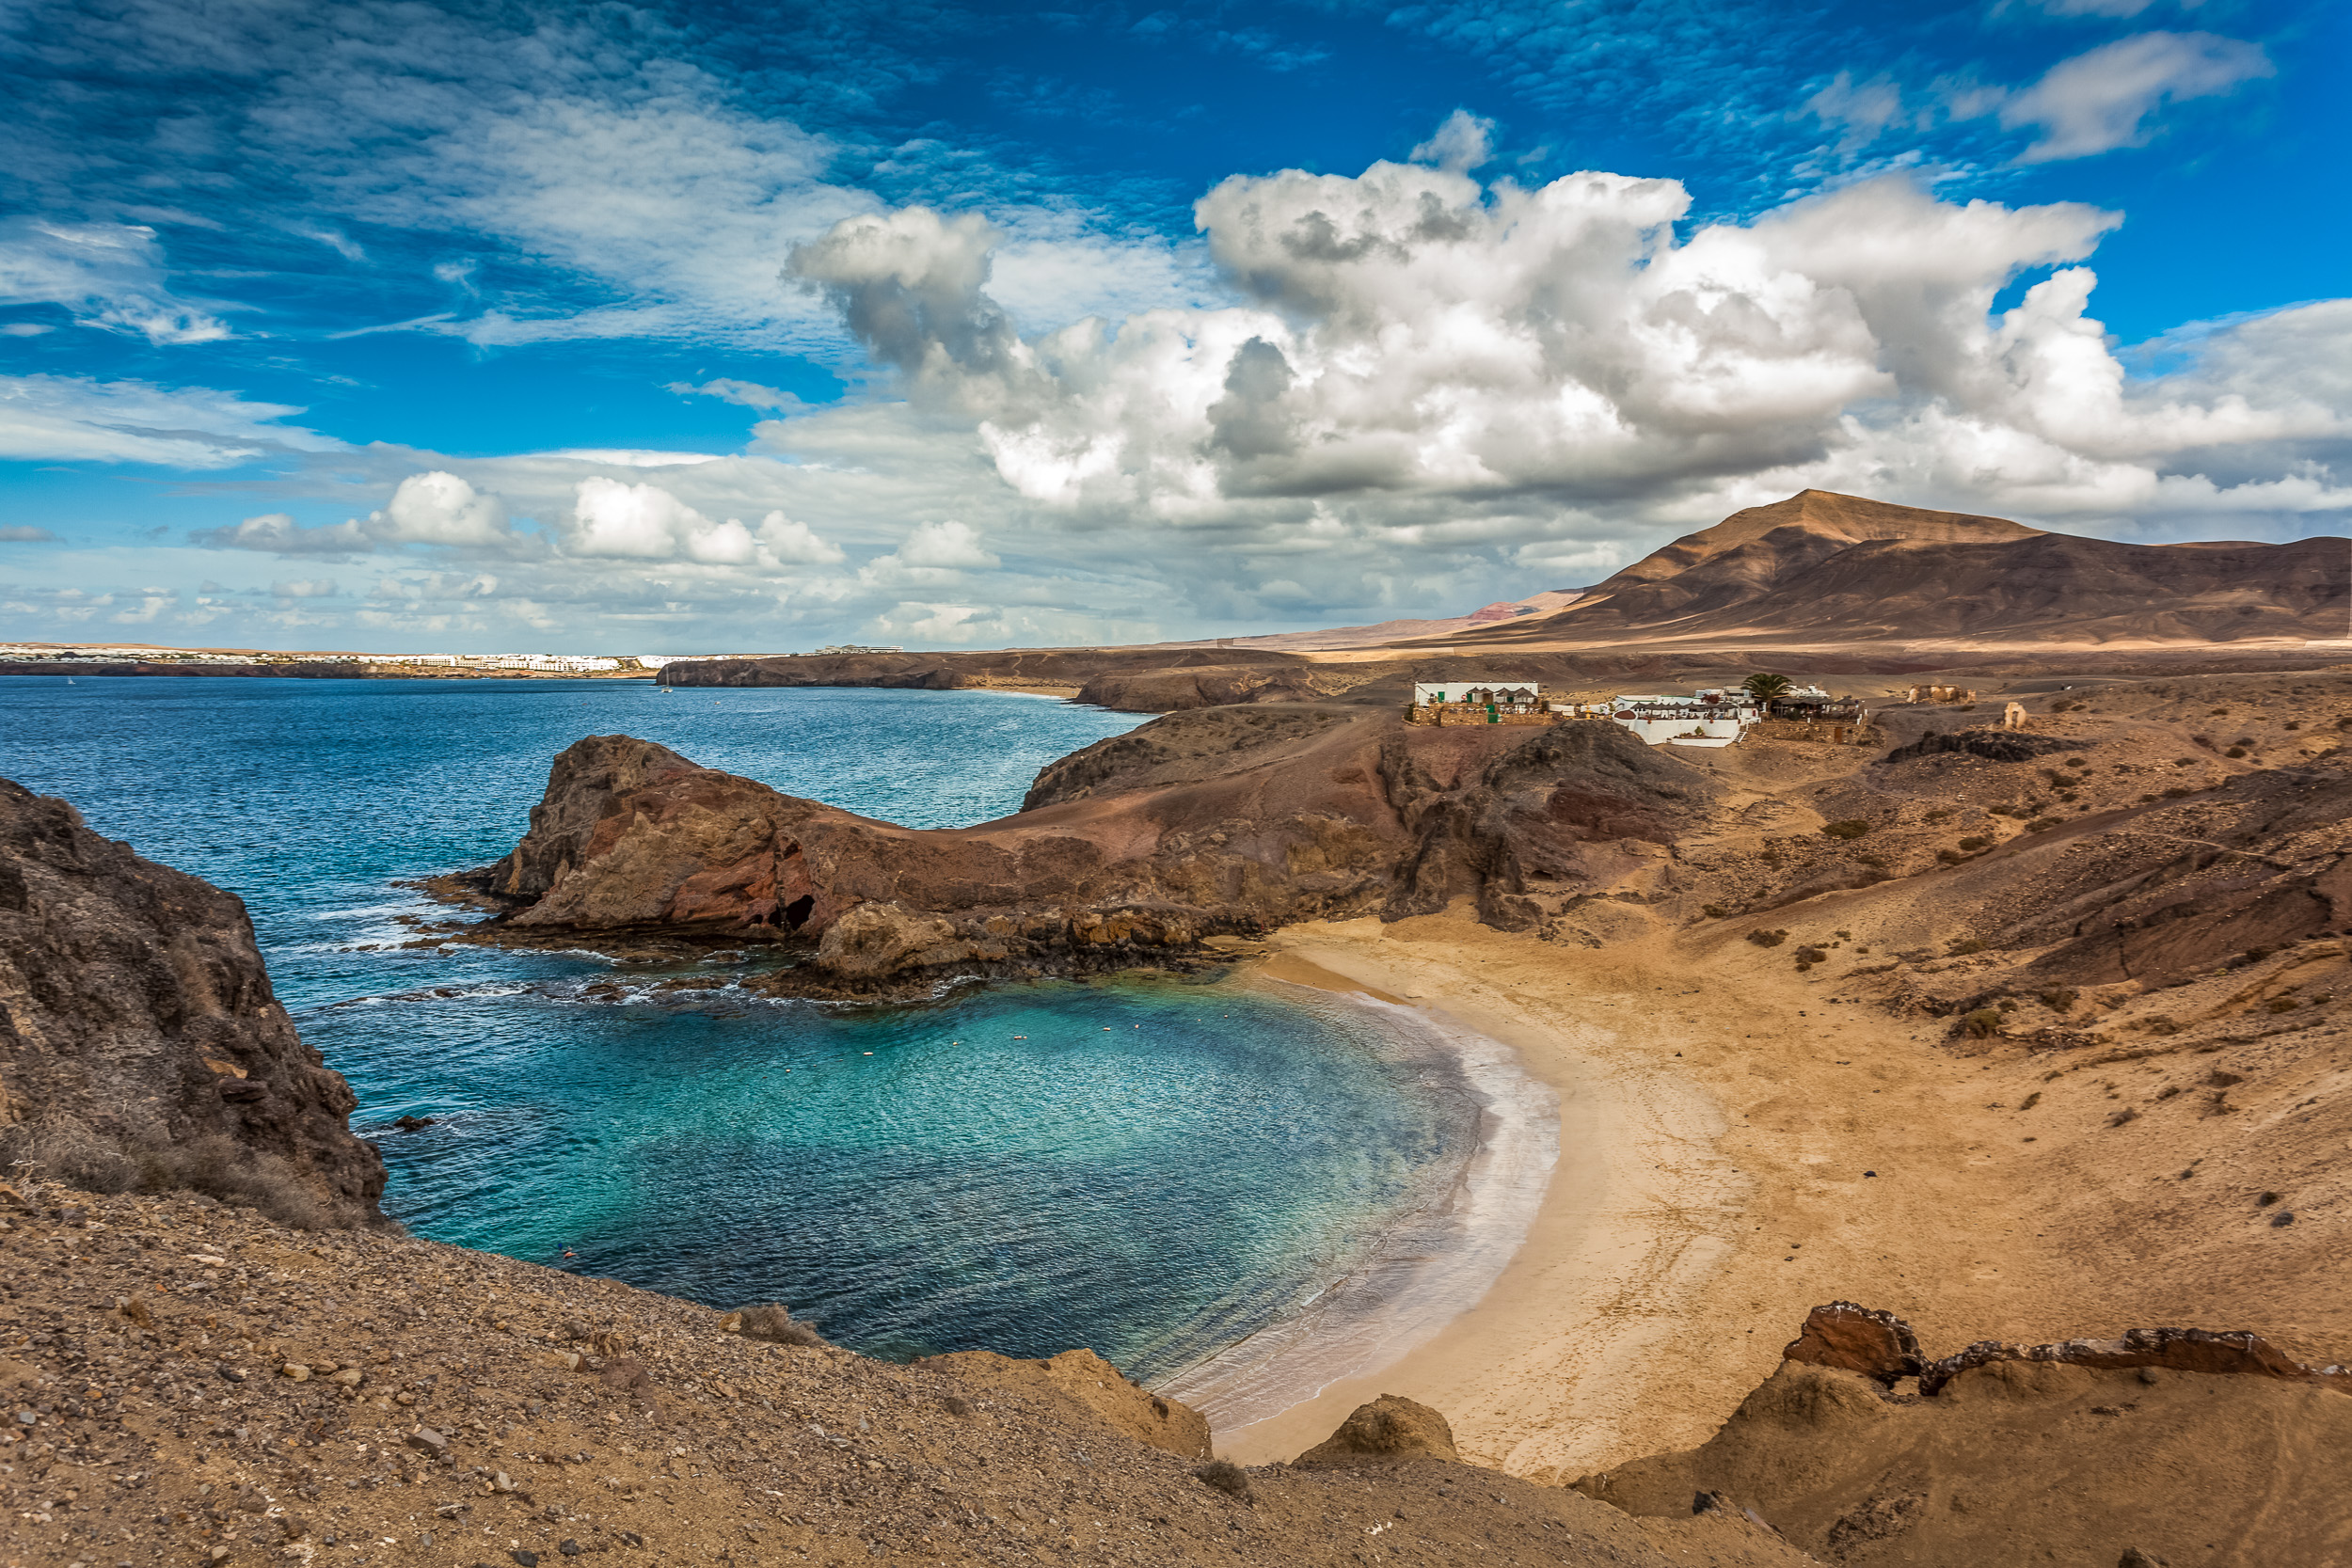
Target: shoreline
<point x="1704" y="1129"/>
<point x="1410" y="1285"/>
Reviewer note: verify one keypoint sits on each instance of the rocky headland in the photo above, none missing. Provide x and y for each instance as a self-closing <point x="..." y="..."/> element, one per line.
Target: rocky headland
<point x="1206" y="824"/>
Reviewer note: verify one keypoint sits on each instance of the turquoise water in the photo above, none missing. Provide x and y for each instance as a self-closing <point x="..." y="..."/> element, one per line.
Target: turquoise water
<point x="1149" y="1167"/>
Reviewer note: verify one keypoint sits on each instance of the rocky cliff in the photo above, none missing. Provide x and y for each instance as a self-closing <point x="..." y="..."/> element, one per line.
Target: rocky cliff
<point x="140" y="1045"/>
<point x="1216" y="821"/>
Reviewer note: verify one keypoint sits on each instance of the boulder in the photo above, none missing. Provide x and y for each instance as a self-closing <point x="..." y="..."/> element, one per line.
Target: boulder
<point x="876" y="940"/>
<point x="1857" y="1339"/>
<point x="1391" y="1427"/>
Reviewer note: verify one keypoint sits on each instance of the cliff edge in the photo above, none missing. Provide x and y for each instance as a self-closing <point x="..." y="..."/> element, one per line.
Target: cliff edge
<point x="142" y="1048"/>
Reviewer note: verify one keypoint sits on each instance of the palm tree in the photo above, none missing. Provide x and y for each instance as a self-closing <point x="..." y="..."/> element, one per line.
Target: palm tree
<point x="1764" y="685"/>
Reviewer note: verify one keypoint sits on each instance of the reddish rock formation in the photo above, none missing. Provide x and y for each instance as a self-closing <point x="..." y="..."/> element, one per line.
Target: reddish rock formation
<point x="1876" y="1344"/>
<point x="141" y="1047"/>
<point x="1221" y="820"/>
<point x="2179" y="1350"/>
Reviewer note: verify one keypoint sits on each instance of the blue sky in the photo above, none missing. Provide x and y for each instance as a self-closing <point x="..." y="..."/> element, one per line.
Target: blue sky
<point x="403" y="327"/>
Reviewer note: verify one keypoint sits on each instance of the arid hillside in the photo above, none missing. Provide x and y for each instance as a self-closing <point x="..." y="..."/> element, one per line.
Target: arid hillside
<point x="1822" y="568"/>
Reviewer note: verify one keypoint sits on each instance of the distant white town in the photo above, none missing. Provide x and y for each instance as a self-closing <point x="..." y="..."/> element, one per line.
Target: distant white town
<point x="423" y="664"/>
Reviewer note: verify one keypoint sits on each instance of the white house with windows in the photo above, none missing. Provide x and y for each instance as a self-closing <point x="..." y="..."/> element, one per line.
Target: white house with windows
<point x="1483" y="690"/>
<point x="1712" y="716"/>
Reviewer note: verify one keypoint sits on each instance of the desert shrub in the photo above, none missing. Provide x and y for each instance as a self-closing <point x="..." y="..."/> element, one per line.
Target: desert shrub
<point x="1226" y="1476"/>
<point x="2292" y="725"/>
<point x="2146" y="799"/>
<point x="2168" y="1091"/>
<point x="1713" y="911"/>
<point x="216" y="1166"/>
<point x="2042" y="824"/>
<point x="2060" y="998"/>
<point x="1974" y="843"/>
<point x="1767" y="939"/>
<point x="775" y="1323"/>
<point x="2030" y="1100"/>
<point x="1966" y="946"/>
<point x="2060" y="705"/>
<point x="2282" y="1005"/>
<point x="1981" y="1025"/>
<point x="1853" y="827"/>
<point x="2265" y="1201"/>
<point x="2235" y="751"/>
<point x="1809" y="956"/>
<point x="2177" y="791"/>
<point x="1938" y="815"/>
<point x="2008" y="1004"/>
<point x="1951" y="857"/>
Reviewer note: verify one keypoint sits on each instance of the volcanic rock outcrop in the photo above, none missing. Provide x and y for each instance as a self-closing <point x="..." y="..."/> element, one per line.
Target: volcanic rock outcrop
<point x="1203" y="823"/>
<point x="2088" y="1450"/>
<point x="141" y="1047"/>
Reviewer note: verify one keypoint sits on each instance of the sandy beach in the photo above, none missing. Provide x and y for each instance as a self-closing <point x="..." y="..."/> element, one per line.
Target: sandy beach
<point x="1720" y="1123"/>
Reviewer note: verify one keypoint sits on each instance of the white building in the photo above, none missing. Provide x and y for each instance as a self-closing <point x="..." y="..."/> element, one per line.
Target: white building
<point x="1710" y="717"/>
<point x="1481" y="689"/>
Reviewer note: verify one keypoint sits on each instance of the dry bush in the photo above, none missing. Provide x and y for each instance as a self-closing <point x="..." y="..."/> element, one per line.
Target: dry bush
<point x="1767" y="939"/>
<point x="775" y="1323"/>
<point x="1853" y="827"/>
<point x="2060" y="998"/>
<point x="1966" y="946"/>
<point x="1982" y="1024"/>
<point x="1227" y="1477"/>
<point x="216" y="1166"/>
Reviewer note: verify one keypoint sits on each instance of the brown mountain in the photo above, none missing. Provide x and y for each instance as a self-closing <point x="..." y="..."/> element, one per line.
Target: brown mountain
<point x="1827" y="568"/>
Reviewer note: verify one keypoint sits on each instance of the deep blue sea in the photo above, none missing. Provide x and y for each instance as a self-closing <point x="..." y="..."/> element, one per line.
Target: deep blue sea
<point x="1149" y="1166"/>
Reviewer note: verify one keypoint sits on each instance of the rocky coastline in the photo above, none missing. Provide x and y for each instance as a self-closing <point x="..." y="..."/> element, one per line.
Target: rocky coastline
<point x="1204" y="826"/>
<point x="2114" y="960"/>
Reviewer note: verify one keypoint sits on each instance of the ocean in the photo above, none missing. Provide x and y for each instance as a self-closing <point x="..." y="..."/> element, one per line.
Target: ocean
<point x="1155" y="1168"/>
